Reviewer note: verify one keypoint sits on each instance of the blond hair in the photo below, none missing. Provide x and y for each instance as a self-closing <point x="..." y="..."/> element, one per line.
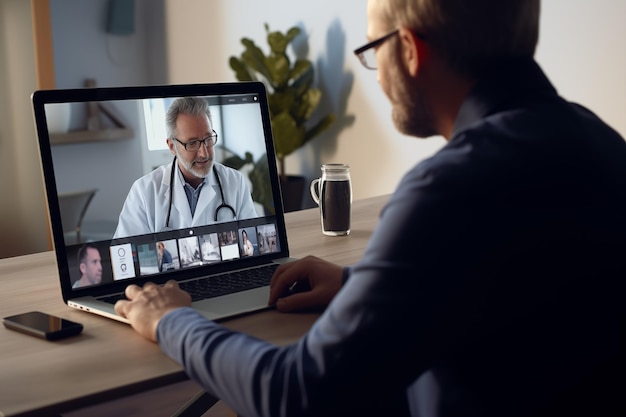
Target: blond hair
<point x="470" y="35"/>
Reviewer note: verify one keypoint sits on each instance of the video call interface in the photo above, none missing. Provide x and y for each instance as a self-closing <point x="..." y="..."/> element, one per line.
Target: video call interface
<point x="155" y="254"/>
<point x="239" y="125"/>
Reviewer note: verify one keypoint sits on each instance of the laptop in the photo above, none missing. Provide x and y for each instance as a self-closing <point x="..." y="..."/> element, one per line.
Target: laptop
<point x="95" y="142"/>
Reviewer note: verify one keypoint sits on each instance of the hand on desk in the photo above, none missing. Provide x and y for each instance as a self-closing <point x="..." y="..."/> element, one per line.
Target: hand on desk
<point x="322" y="278"/>
<point x="145" y="306"/>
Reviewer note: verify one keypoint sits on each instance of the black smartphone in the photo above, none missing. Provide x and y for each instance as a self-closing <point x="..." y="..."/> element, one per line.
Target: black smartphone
<point x="45" y="326"/>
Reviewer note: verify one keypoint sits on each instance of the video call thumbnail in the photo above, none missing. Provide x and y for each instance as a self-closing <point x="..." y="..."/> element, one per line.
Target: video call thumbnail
<point x="130" y="260"/>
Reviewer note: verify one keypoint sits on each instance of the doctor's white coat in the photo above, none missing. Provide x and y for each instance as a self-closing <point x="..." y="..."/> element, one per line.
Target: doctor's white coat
<point x="147" y="203"/>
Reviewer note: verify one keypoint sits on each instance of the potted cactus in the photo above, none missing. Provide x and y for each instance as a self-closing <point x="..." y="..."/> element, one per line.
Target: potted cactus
<point x="292" y="100"/>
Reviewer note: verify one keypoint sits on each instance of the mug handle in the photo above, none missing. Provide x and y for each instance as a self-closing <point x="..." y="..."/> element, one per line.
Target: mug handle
<point x="314" y="191"/>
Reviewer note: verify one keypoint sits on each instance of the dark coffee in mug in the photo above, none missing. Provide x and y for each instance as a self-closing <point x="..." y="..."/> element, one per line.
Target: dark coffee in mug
<point x="336" y="197"/>
<point x="333" y="193"/>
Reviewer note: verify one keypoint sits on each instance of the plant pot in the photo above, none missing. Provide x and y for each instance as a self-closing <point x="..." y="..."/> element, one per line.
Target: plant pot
<point x="292" y="188"/>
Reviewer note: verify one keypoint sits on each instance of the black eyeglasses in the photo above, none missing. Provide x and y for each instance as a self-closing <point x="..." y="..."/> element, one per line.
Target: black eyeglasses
<point x="367" y="52"/>
<point x="194" y="145"/>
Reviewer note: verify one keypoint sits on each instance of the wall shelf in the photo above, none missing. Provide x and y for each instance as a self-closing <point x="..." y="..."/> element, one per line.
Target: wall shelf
<point x="84" y="136"/>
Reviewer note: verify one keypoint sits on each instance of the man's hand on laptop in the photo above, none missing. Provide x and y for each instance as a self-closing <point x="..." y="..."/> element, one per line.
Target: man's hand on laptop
<point x="145" y="306"/>
<point x="307" y="284"/>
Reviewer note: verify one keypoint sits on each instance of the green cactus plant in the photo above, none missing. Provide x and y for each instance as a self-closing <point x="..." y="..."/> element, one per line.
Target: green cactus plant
<point x="291" y="95"/>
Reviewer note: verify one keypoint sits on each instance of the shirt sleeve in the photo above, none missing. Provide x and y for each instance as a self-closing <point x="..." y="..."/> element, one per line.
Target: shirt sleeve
<point x="239" y="369"/>
<point x="346" y="275"/>
<point x="359" y="347"/>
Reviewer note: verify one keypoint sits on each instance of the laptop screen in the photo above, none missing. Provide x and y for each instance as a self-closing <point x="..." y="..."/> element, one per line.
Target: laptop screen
<point x="120" y="210"/>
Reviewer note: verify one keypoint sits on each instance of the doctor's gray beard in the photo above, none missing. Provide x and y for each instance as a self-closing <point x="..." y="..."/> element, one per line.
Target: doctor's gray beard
<point x="190" y="167"/>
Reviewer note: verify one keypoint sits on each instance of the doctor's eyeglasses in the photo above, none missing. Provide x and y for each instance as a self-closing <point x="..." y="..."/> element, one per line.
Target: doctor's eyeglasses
<point x="194" y="145"/>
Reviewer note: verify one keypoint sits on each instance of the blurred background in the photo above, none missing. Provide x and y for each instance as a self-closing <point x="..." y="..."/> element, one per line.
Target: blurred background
<point x="145" y="42"/>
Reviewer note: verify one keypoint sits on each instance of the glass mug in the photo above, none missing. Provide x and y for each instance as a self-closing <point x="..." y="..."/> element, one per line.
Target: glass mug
<point x="333" y="194"/>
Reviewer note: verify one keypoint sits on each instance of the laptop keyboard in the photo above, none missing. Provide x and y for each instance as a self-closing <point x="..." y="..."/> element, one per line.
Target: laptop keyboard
<point x="217" y="285"/>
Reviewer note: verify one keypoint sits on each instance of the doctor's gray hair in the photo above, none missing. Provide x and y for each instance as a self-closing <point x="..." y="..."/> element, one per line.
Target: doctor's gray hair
<point x="193" y="106"/>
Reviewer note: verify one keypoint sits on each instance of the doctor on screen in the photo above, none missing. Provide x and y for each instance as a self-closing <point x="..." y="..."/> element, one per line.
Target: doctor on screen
<point x="203" y="191"/>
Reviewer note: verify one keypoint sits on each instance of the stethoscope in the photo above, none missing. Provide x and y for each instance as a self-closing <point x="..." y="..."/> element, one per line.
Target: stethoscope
<point x="217" y="210"/>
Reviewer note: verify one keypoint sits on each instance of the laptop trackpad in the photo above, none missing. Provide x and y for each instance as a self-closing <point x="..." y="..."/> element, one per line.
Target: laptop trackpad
<point x="233" y="304"/>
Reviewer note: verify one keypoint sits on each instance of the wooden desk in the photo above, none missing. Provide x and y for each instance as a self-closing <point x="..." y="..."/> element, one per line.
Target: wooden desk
<point x="109" y="360"/>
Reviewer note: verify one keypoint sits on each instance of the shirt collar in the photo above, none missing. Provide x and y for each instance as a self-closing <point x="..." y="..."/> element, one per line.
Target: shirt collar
<point x="505" y="86"/>
<point x="204" y="182"/>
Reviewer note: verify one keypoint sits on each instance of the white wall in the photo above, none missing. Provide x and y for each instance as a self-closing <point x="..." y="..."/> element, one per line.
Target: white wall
<point x="581" y="49"/>
<point x="83" y="49"/>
